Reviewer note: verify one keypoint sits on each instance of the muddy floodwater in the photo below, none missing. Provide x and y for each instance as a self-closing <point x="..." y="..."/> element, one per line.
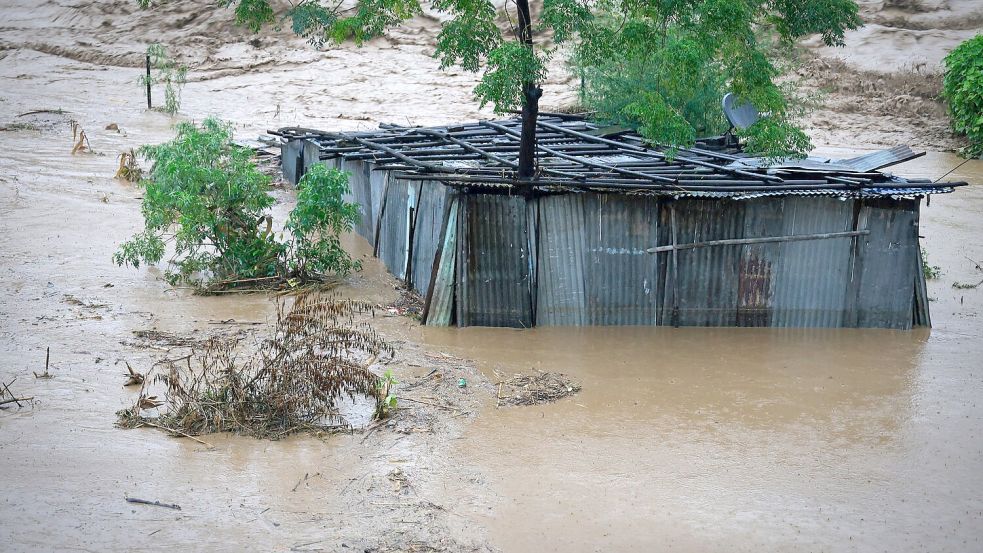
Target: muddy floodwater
<point x="680" y="439"/>
<point x="749" y="439"/>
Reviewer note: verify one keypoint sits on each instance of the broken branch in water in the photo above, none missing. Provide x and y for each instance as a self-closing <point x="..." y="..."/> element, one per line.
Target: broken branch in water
<point x="439" y="406"/>
<point x="12" y="398"/>
<point x="174" y="506"/>
<point x="58" y="111"/>
<point x="174" y="431"/>
<point x="47" y="359"/>
<point x="134" y="378"/>
<point x="16" y="400"/>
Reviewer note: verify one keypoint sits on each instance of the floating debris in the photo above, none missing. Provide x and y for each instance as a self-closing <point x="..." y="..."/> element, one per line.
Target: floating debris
<point x="535" y="389"/>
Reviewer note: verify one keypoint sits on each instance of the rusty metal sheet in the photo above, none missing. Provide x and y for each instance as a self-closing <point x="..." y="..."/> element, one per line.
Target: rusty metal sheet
<point x="889" y="264"/>
<point x="621" y="276"/>
<point x="493" y="263"/>
<point x="813" y="278"/>
<point x="763" y="217"/>
<point x="562" y="247"/>
<point x="708" y="277"/>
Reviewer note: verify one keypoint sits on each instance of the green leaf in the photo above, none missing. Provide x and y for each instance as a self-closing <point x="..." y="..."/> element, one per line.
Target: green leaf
<point x="510" y="66"/>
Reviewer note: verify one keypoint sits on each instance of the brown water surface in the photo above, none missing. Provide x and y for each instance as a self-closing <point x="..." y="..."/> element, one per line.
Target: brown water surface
<point x="749" y="439"/>
<point x="684" y="439"/>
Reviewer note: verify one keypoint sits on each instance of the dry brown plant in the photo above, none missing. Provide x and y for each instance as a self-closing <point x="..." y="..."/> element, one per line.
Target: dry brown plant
<point x="314" y="355"/>
<point x="128" y="169"/>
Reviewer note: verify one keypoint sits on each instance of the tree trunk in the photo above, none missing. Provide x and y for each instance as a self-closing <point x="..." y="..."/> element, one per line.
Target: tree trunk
<point x="527" y="144"/>
<point x="530" y="100"/>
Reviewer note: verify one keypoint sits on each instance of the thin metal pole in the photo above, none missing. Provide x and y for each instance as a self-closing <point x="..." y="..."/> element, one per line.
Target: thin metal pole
<point x="149" y="104"/>
<point x="742" y="241"/>
<point x="675" y="268"/>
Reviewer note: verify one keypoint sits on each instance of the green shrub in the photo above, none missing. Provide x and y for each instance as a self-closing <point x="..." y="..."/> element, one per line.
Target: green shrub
<point x="170" y="73"/>
<point x="205" y="196"/>
<point x="962" y="88"/>
<point x="321" y="215"/>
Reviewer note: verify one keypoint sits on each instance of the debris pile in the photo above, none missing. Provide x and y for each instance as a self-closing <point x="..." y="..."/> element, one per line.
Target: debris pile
<point x="542" y="387"/>
<point x="290" y="383"/>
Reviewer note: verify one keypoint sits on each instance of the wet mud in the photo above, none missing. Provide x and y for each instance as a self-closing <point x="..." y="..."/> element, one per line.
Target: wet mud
<point x="682" y="439"/>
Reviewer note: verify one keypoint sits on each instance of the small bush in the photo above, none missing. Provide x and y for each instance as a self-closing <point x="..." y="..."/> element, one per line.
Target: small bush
<point x="321" y="215"/>
<point x="931" y="272"/>
<point x="205" y="198"/>
<point x="962" y="88"/>
<point x="170" y="73"/>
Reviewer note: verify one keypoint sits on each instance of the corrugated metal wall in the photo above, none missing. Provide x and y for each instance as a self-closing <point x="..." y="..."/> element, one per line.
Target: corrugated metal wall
<point x="493" y="262"/>
<point x="562" y="252"/>
<point x="621" y="277"/>
<point x="393" y="243"/>
<point x="813" y="278"/>
<point x="581" y="259"/>
<point x="360" y="181"/>
<point x="440" y="299"/>
<point x="886" y="297"/>
<point x="763" y="217"/>
<point x="708" y="277"/>
<point x="294" y="151"/>
<point x="427" y="225"/>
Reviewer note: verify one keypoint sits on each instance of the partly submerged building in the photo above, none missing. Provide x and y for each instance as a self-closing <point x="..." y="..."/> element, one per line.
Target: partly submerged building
<point x="615" y="233"/>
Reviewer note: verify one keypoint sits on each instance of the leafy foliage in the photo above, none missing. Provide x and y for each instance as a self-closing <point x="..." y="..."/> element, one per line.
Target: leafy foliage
<point x="663" y="67"/>
<point x="206" y="197"/>
<point x="962" y="88"/>
<point x="170" y="73"/>
<point x="931" y="272"/>
<point x="659" y="65"/>
<point x="320" y="216"/>
<point x="386" y="402"/>
<point x="510" y="65"/>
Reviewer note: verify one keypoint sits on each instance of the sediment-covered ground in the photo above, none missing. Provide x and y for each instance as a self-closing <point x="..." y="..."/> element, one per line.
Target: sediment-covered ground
<point x="683" y="439"/>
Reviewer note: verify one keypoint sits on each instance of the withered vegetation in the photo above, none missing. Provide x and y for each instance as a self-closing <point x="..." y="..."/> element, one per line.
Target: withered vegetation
<point x="128" y="169"/>
<point x="289" y="382"/>
<point x="534" y="389"/>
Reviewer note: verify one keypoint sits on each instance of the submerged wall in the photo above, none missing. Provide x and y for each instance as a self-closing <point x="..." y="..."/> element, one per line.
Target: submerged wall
<point x="499" y="259"/>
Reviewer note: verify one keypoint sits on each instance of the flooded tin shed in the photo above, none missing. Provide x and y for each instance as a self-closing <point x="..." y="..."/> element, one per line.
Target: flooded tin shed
<point x="612" y="232"/>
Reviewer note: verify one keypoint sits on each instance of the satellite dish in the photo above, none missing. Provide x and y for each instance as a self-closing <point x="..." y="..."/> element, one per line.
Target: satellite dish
<point x="740" y="113"/>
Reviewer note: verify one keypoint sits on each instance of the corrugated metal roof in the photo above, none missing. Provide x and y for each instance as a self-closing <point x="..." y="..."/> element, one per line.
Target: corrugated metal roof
<point x="485" y="153"/>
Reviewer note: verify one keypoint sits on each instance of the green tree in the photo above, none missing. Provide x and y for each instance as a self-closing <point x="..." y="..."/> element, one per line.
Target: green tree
<point x="664" y="66"/>
<point x="206" y="199"/>
<point x="962" y="88"/>
<point x="513" y="63"/>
